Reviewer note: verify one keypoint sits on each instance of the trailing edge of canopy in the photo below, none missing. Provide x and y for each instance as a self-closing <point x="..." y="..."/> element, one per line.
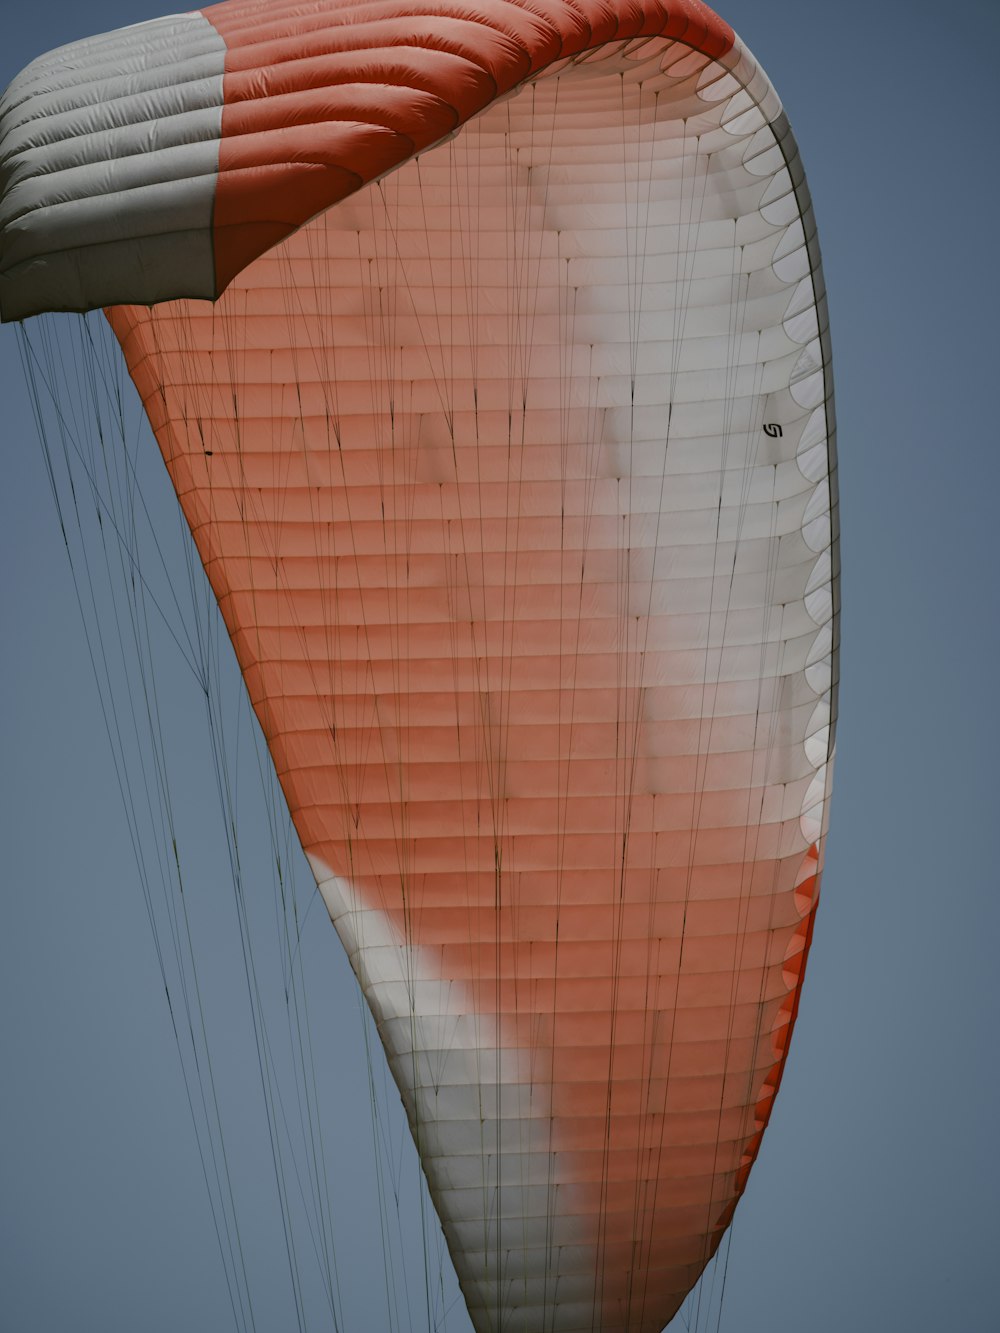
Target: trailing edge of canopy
<point x="158" y="161"/>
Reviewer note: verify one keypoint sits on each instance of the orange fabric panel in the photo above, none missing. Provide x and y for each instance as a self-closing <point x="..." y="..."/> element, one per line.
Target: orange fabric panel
<point x="458" y="59"/>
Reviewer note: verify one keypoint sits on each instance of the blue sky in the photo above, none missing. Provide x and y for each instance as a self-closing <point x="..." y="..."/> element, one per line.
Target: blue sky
<point x="873" y="1203"/>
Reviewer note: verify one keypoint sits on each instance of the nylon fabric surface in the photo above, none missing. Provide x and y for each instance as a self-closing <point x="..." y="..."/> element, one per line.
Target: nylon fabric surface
<point x="317" y="100"/>
<point x="109" y="156"/>
<point x="511" y="476"/>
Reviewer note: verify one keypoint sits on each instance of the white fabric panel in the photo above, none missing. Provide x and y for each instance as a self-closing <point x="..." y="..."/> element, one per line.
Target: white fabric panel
<point x="109" y="154"/>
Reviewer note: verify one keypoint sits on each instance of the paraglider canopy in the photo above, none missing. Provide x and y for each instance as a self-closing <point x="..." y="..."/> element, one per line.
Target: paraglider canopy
<point x="506" y="445"/>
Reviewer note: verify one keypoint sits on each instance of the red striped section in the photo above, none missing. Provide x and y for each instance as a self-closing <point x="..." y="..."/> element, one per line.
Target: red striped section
<point x="321" y="99"/>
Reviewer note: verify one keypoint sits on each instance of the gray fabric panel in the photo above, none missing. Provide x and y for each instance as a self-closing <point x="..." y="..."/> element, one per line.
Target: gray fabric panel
<point x="124" y="272"/>
<point x="54" y="125"/>
<point x="152" y="45"/>
<point x="115" y="209"/>
<point x="109" y="153"/>
<point x="126" y="159"/>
